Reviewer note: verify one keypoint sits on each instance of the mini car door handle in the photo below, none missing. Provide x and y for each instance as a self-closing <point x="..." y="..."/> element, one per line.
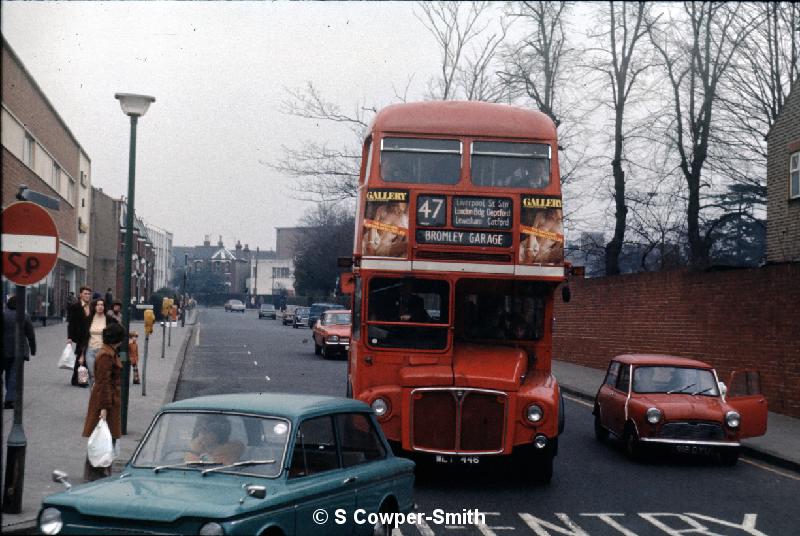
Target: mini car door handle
<point x="349" y="480"/>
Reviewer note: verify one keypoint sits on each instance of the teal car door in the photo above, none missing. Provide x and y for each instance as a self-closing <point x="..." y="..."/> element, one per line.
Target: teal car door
<point x="363" y="457"/>
<point x="318" y="481"/>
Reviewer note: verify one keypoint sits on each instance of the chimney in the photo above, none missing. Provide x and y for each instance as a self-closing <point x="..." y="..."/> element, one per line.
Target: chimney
<point x="207" y="241"/>
<point x="220" y="241"/>
<point x="238" y="245"/>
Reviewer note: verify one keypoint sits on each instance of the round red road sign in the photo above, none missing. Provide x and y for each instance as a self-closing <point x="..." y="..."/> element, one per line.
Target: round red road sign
<point x="29" y="243"/>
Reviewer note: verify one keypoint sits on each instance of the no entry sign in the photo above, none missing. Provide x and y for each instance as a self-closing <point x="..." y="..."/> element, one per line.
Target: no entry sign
<point x="30" y="243"/>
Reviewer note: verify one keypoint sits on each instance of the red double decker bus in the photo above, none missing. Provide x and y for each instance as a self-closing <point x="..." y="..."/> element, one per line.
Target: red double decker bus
<point x="458" y="252"/>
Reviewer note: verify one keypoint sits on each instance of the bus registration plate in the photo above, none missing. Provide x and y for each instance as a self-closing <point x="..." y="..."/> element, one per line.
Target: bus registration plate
<point x="464" y="460"/>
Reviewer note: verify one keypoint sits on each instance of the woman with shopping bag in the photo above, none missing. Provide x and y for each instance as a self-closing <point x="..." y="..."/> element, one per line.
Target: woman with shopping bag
<point x="104" y="401"/>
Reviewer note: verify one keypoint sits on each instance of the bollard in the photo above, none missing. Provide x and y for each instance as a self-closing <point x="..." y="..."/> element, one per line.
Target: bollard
<point x="144" y="365"/>
<point x="169" y="336"/>
<point x="163" y="338"/>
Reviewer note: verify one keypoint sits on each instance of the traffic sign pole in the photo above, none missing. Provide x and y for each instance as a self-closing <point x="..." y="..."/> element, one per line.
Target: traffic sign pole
<point x="30" y="250"/>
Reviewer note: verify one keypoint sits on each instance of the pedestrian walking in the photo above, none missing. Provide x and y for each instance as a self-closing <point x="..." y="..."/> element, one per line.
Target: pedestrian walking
<point x="104" y="401"/>
<point x="116" y="310"/>
<point x="78" y="318"/>
<point x="10" y="349"/>
<point x="99" y="320"/>
<point x="109" y="297"/>
<point x="133" y="354"/>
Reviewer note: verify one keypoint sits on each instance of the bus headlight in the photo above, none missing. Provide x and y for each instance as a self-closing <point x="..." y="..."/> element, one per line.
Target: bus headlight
<point x="654" y="415"/>
<point x="534" y="413"/>
<point x="50" y="521"/>
<point x="733" y="419"/>
<point x="211" y="529"/>
<point x="380" y="407"/>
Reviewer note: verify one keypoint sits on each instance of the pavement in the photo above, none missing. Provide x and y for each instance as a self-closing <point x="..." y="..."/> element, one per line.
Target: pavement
<point x="54" y="412"/>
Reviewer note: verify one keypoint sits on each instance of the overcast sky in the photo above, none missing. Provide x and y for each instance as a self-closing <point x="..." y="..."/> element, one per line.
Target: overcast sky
<point x="218" y="72"/>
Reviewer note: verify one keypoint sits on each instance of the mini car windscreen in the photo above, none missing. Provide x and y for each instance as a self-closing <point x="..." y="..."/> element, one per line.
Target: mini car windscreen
<point x="510" y="165"/>
<point x="204" y="440"/>
<point x="336" y="319"/>
<point x="674" y="380"/>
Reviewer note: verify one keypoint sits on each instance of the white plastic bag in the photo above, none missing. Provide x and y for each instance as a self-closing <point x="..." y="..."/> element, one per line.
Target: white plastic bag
<point x="100" y="445"/>
<point x="67" y="359"/>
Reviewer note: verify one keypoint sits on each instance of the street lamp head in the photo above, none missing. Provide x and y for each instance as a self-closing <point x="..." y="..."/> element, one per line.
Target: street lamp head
<point x="133" y="104"/>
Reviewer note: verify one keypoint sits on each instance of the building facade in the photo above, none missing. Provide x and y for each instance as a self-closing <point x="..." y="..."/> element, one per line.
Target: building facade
<point x="783" y="182"/>
<point x="104" y="243"/>
<point x="163" y="269"/>
<point x="40" y="152"/>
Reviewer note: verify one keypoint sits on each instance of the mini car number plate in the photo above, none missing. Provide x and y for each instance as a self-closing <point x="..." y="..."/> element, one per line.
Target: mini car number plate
<point x="693" y="449"/>
<point x="465" y="460"/>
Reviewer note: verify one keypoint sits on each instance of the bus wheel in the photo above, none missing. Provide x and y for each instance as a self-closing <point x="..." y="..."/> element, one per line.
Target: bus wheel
<point x="600" y="433"/>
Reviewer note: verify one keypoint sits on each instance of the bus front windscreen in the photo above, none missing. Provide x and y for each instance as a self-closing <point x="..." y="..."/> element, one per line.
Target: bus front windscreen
<point x="408" y="313"/>
<point x="493" y="310"/>
<point x="510" y="165"/>
<point x="420" y="161"/>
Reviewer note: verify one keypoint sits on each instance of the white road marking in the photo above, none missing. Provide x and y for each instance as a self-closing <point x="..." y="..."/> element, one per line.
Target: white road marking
<point x="255" y="363"/>
<point x="770" y="469"/>
<point x="197" y="337"/>
<point x="579" y="401"/>
<point x="249" y="352"/>
<point x="267" y="377"/>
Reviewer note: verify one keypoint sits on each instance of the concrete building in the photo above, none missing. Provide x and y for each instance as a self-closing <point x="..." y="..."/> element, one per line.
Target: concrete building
<point x="104" y="244"/>
<point x="162" y="242"/>
<point x="41" y="152"/>
<point x="783" y="182"/>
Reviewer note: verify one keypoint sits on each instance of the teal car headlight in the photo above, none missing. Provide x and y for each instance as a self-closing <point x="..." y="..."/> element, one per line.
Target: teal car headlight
<point x="50" y="521"/>
<point x="211" y="529"/>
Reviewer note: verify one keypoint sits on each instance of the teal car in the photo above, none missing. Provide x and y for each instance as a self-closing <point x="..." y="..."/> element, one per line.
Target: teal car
<point x="256" y="464"/>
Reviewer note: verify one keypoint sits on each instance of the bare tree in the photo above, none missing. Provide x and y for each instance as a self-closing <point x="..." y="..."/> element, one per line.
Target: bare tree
<point x="324" y="173"/>
<point x="468" y="49"/>
<point x="621" y="63"/>
<point x="752" y="96"/>
<point x="697" y="50"/>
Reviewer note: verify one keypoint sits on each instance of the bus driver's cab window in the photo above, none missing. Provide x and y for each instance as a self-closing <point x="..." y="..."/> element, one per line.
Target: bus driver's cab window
<point x="500" y="311"/>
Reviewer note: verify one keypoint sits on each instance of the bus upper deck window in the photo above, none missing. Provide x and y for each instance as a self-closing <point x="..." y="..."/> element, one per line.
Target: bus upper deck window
<point x="420" y="161"/>
<point x="510" y="164"/>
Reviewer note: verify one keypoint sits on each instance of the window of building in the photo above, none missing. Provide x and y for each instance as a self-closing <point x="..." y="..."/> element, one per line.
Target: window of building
<point x="28" y="151"/>
<point x="794" y="176"/>
<point x="280" y="272"/>
<point x="72" y="191"/>
<point x="83" y="178"/>
<point x="56" y="182"/>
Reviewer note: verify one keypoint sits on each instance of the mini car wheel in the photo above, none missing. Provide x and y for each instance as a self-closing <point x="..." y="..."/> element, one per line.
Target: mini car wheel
<point x="729" y="456"/>
<point x="317" y="348"/>
<point x="600" y="433"/>
<point x="633" y="448"/>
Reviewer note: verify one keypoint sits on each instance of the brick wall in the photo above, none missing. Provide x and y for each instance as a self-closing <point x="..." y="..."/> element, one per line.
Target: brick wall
<point x="16" y="173"/>
<point x="732" y="319"/>
<point x="783" y="214"/>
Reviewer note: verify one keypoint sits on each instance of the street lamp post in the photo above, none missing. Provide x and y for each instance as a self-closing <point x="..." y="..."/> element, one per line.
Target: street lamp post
<point x="134" y="106"/>
<point x="183" y="301"/>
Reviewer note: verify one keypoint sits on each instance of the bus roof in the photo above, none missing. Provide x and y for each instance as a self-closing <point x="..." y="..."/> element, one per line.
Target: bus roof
<point x="464" y="118"/>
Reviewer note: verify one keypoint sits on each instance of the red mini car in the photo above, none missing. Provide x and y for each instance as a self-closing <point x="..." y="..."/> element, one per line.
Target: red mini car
<point x="680" y="403"/>
<point x="332" y="333"/>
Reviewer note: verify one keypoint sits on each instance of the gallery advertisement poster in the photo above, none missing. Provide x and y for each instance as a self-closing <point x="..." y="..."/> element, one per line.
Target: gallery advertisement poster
<point x="541" y="230"/>
<point x="385" y="231"/>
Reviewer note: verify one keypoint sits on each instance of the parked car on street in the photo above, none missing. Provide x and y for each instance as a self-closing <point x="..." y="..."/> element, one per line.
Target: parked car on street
<point x="234" y="306"/>
<point x="267" y="310"/>
<point x="300" y="317"/>
<point x="287" y="315"/>
<point x="317" y="309"/>
<point x="244" y="464"/>
<point x="332" y="333"/>
<point x="679" y="403"/>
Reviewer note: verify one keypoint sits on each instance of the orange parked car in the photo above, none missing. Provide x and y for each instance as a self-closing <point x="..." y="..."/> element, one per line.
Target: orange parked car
<point x="332" y="333"/>
<point x="649" y="400"/>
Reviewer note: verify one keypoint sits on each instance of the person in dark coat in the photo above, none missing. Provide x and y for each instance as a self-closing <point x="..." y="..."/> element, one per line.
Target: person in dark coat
<point x="105" y="399"/>
<point x="79" y="319"/>
<point x="10" y="349"/>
